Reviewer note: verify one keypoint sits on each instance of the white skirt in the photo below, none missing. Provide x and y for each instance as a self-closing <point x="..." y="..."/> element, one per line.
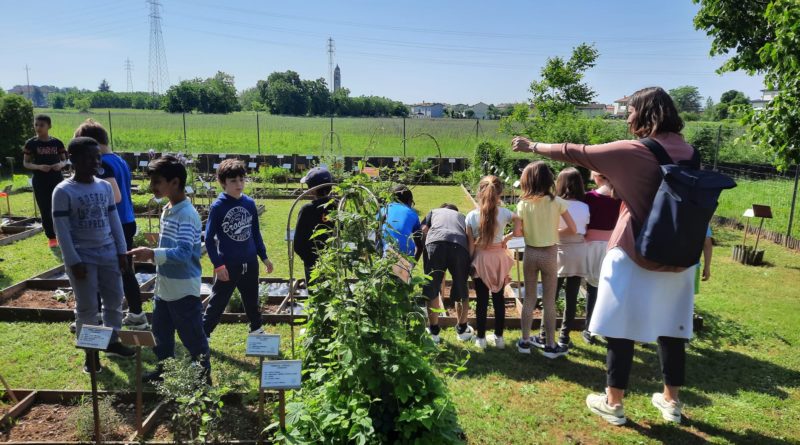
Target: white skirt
<point x="595" y="253"/>
<point x="642" y="305"/>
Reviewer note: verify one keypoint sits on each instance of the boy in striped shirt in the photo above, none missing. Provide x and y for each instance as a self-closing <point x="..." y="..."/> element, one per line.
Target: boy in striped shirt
<point x="177" y="296"/>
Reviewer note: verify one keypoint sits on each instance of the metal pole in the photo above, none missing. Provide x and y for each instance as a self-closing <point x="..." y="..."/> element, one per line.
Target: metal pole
<point x="184" y="131"/>
<point x="477" y="127"/>
<point x="794" y="201"/>
<point x="331" y="133"/>
<point x="110" y="131"/>
<point x="139" y="391"/>
<point x="260" y="396"/>
<point x="716" y="152"/>
<point x="258" y="134"/>
<point x="404" y="136"/>
<point x="95" y="408"/>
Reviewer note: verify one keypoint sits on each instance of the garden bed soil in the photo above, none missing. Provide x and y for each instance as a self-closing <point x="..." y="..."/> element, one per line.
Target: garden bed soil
<point x="38" y="299"/>
<point x="53" y="423"/>
<point x="238" y="423"/>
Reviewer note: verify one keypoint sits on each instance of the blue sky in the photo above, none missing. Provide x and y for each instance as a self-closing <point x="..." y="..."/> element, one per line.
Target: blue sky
<point x="446" y="51"/>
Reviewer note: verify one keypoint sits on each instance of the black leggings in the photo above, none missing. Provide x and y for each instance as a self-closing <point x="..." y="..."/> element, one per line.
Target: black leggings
<point x="482" y="309"/>
<point x="570" y="306"/>
<point x="591" y="299"/>
<point x="43" y="186"/>
<point x="133" y="294"/>
<point x="671" y="354"/>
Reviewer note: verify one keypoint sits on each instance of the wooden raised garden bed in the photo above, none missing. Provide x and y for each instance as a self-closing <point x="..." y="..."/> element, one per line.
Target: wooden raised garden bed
<point x="16" y="228"/>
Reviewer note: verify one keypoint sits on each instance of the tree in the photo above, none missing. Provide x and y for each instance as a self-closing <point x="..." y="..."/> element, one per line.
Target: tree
<point x="213" y="95"/>
<point x="250" y="100"/>
<point x="83" y="104"/>
<point x="283" y="93"/>
<point x="732" y="104"/>
<point x="469" y="114"/>
<point x="686" y="98"/>
<point x="184" y="97"/>
<point x="16" y="119"/>
<point x="561" y="86"/>
<point x="763" y="36"/>
<point x="57" y="100"/>
<point x="709" y="111"/>
<point x="319" y="97"/>
<point x="104" y="86"/>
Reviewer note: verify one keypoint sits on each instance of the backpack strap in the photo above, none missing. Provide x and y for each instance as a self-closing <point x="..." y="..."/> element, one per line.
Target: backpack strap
<point x="658" y="151"/>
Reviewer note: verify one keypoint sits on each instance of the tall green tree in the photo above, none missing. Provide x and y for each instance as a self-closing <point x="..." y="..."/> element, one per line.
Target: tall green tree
<point x="319" y="96"/>
<point x="283" y="93"/>
<point x="561" y="86"/>
<point x="104" y="86"/>
<point x="16" y="125"/>
<point x="762" y="36"/>
<point x="686" y="98"/>
<point x="732" y="105"/>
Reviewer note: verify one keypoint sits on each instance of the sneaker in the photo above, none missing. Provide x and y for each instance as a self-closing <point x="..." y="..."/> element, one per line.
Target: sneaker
<point x="523" y="347"/>
<point x="87" y="365"/>
<point x="56" y="251"/>
<point x="598" y="404"/>
<point x="135" y="321"/>
<point x="434" y="337"/>
<point x="117" y="349"/>
<point x="153" y="377"/>
<point x="670" y="411"/>
<point x="480" y="343"/>
<point x="587" y="337"/>
<point x="467" y="334"/>
<point x="498" y="342"/>
<point x="554" y="351"/>
<point x="538" y="341"/>
<point x="73" y="327"/>
<point x="565" y="343"/>
<point x="258" y="331"/>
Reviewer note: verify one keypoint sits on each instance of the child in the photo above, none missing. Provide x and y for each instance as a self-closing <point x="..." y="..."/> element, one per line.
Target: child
<point x="490" y="260"/>
<point x="234" y="244"/>
<point x="603" y="215"/>
<point x="177" y="258"/>
<point x="447" y="248"/>
<point x="540" y="212"/>
<point x="310" y="217"/>
<point x="88" y="229"/>
<point x="45" y="155"/>
<point x="571" y="248"/>
<point x="115" y="171"/>
<point x="402" y="227"/>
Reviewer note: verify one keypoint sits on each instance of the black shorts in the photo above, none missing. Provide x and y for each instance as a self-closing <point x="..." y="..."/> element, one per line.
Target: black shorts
<point x="453" y="258"/>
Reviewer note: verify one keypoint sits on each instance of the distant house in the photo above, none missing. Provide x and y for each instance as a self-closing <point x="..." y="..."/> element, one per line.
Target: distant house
<point x="427" y="110"/>
<point x="592" y="110"/>
<point x="766" y="97"/>
<point x="480" y="110"/>
<point x="621" y="106"/>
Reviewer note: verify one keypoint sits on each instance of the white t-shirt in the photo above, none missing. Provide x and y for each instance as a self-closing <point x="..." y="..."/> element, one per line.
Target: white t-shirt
<point x="504" y="218"/>
<point x="579" y="212"/>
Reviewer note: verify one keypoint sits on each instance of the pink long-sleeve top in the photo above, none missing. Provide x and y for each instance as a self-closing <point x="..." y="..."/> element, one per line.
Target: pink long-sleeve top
<point x="635" y="175"/>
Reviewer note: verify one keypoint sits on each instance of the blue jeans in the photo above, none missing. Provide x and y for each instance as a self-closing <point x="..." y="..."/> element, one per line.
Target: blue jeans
<point x="185" y="316"/>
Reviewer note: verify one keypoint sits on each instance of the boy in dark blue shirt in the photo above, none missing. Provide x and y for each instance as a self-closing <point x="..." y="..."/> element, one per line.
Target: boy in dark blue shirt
<point x="234" y="244"/>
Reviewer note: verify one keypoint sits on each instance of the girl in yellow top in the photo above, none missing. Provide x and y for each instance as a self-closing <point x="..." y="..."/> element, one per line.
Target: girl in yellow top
<point x="541" y="211"/>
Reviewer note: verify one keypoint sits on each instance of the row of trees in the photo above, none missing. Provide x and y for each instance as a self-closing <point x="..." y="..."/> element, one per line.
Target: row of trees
<point x="213" y="95"/>
<point x="732" y="104"/>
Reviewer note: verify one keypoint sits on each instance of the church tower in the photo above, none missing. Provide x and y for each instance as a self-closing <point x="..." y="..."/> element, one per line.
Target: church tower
<point x="337" y="79"/>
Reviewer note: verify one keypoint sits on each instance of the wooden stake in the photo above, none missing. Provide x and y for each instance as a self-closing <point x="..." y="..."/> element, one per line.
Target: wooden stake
<point x="260" y="397"/>
<point x="282" y="408"/>
<point x="139" y="391"/>
<point x="9" y="391"/>
<point x="95" y="408"/>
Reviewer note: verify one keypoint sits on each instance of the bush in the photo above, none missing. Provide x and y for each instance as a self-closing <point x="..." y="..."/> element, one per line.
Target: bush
<point x="111" y="422"/>
<point x="16" y="126"/>
<point x="273" y="174"/>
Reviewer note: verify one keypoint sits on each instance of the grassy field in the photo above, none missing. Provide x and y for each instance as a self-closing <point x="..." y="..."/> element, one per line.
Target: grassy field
<point x="743" y="370"/>
<point x="140" y="130"/>
<point x="776" y="193"/>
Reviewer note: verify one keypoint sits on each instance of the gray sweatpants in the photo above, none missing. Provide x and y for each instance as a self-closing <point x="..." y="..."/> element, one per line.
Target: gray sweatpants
<point x="106" y="279"/>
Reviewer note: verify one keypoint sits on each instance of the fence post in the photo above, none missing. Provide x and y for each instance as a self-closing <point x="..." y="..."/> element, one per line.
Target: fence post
<point x="716" y="152"/>
<point x="331" y="132"/>
<point x="477" y="127"/>
<point x="110" y="132"/>
<point x="404" y="136"/>
<point x="794" y="201"/>
<point x="258" y="134"/>
<point x="184" y="131"/>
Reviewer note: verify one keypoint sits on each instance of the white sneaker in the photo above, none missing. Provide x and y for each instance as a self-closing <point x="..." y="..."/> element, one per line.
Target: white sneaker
<point x="467" y="334"/>
<point x="135" y="321"/>
<point x="498" y="342"/>
<point x="670" y="411"/>
<point x="480" y="343"/>
<point x="73" y="327"/>
<point x="435" y="338"/>
<point x="598" y="404"/>
<point x="258" y="331"/>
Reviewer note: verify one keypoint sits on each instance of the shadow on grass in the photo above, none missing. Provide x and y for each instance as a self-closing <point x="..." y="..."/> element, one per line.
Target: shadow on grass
<point x="684" y="434"/>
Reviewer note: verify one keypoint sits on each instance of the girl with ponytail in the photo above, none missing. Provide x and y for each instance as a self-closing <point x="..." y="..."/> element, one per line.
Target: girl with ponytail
<point x="491" y="262"/>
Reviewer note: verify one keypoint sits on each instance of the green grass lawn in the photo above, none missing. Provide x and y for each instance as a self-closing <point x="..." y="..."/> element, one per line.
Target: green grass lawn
<point x="776" y="193"/>
<point x="743" y="370"/>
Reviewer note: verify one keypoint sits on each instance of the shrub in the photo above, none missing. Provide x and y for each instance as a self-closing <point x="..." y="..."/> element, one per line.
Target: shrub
<point x="111" y="422"/>
<point x="16" y="126"/>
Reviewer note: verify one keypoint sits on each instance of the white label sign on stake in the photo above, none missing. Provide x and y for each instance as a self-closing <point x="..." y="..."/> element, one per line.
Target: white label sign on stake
<point x="252" y="165"/>
<point x="215" y="166"/>
<point x="396" y="159"/>
<point x="263" y="345"/>
<point x="452" y="160"/>
<point x="223" y="156"/>
<point x="280" y="156"/>
<point x="94" y="337"/>
<point x="281" y="374"/>
<point x="310" y="158"/>
<point x="143" y="163"/>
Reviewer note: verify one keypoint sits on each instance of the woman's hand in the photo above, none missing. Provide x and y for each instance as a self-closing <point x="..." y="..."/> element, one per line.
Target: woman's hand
<point x="522" y="145"/>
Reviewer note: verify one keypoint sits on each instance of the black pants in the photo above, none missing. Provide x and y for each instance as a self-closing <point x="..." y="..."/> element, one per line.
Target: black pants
<point x="129" y="284"/>
<point x="482" y="308"/>
<point x="240" y="276"/>
<point x="452" y="257"/>
<point x="570" y="306"/>
<point x="43" y="186"/>
<point x="671" y="354"/>
<point x="591" y="299"/>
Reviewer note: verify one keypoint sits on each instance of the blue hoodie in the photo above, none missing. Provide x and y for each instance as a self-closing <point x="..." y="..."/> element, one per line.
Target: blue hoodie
<point x="234" y="224"/>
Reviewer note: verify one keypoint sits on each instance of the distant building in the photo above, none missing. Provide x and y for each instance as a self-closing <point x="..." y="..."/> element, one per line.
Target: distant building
<point x="427" y="110"/>
<point x="480" y="109"/>
<point x="621" y="106"/>
<point x="337" y="79"/>
<point x="766" y="97"/>
<point x="592" y="110"/>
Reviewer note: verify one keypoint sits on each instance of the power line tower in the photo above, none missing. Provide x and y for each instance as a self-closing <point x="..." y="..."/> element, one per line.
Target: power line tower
<point x="159" y="75"/>
<point x="28" y="79"/>
<point x="129" y="70"/>
<point x="331" y="51"/>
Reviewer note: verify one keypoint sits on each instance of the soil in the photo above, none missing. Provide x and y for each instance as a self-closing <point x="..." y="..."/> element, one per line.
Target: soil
<point x="238" y="423"/>
<point x="41" y="299"/>
<point x="54" y="423"/>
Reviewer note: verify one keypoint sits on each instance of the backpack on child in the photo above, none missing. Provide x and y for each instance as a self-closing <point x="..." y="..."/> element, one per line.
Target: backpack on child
<point x="675" y="230"/>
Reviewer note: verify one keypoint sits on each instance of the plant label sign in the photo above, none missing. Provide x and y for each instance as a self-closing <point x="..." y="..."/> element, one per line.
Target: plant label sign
<point x="262" y="345"/>
<point x="281" y="374"/>
<point x="94" y="337"/>
<point x="252" y="165"/>
<point x="452" y="160"/>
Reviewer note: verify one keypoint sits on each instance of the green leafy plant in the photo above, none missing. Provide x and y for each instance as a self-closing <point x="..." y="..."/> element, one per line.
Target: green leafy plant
<point x="235" y="304"/>
<point x="368" y="376"/>
<point x="271" y="174"/>
<point x="111" y="422"/>
<point x="197" y="405"/>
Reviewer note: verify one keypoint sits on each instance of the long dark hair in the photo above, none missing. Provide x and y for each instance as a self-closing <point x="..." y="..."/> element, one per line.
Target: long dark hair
<point x="655" y="113"/>
<point x="489" y="191"/>
<point x="569" y="185"/>
<point x="536" y="181"/>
